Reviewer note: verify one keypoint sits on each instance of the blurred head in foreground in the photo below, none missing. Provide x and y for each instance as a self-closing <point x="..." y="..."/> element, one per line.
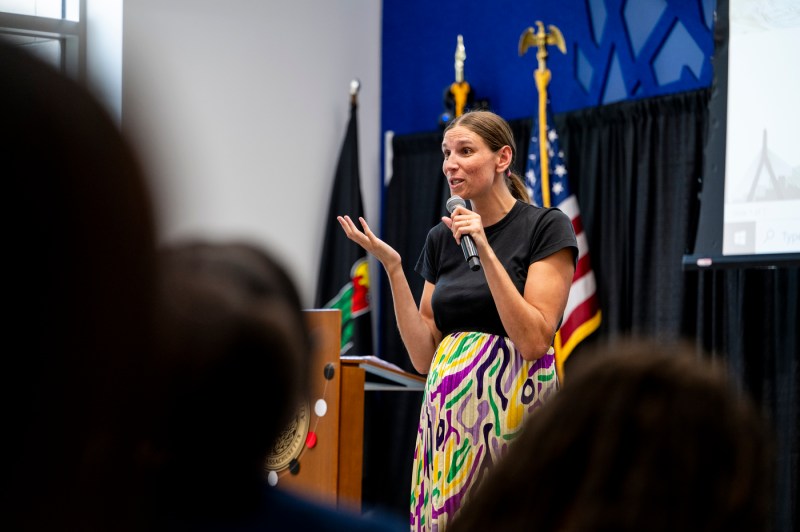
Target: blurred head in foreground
<point x="82" y="280"/>
<point x="234" y="367"/>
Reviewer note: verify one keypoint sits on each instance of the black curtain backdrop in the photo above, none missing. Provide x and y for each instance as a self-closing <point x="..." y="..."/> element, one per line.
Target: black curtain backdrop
<point x="636" y="169"/>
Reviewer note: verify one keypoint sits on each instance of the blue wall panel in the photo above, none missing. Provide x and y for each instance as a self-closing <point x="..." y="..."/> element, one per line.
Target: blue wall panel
<point x="616" y="50"/>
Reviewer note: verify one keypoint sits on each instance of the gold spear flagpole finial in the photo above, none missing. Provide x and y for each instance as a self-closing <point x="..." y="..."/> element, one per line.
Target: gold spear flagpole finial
<point x="461" y="56"/>
<point x="460" y="89"/>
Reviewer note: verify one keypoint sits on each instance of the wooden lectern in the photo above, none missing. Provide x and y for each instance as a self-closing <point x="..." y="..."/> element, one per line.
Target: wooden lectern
<point x="330" y="471"/>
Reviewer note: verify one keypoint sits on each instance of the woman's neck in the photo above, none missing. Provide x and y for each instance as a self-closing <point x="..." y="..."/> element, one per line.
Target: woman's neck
<point x="494" y="206"/>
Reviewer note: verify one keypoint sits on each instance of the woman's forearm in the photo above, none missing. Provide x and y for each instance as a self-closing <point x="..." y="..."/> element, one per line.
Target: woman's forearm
<point x="416" y="334"/>
<point x="525" y="324"/>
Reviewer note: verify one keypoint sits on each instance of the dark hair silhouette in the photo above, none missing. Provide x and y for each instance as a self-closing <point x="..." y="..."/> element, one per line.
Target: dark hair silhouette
<point x="644" y="436"/>
<point x="234" y="367"/>
<point x="81" y="285"/>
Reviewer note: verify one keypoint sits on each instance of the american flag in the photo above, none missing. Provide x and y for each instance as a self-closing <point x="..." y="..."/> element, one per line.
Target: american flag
<point x="582" y="315"/>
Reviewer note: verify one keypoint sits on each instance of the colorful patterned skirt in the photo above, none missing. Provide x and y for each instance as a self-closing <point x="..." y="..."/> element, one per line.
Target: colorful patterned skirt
<point x="478" y="393"/>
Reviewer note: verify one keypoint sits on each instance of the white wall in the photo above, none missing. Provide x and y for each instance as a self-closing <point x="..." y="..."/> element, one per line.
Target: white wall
<point x="104" y="53"/>
<point x="239" y="109"/>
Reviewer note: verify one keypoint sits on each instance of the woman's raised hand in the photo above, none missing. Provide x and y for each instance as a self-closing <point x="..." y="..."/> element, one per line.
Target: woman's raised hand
<point x="382" y="251"/>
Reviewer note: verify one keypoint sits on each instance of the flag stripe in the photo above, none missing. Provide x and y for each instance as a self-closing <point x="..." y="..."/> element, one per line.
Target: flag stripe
<point x="577" y="224"/>
<point x="584" y="267"/>
<point x="582" y="312"/>
<point x="581" y="290"/>
<point x="583" y="245"/>
<point x="570" y="207"/>
<point x="578" y="335"/>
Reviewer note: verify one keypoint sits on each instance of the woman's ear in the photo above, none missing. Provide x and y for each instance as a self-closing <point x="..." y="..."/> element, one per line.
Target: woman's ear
<point x="505" y="155"/>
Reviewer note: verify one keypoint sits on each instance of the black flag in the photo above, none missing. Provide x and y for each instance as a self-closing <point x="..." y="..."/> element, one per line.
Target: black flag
<point x="343" y="281"/>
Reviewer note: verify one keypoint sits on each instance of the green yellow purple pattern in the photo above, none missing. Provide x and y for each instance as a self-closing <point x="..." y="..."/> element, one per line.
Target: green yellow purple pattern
<point x="478" y="393"/>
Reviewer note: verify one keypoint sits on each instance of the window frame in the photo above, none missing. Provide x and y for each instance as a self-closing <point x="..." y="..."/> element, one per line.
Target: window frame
<point x="71" y="34"/>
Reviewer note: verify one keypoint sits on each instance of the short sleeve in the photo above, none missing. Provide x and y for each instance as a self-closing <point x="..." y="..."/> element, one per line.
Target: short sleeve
<point x="553" y="233"/>
<point x="426" y="265"/>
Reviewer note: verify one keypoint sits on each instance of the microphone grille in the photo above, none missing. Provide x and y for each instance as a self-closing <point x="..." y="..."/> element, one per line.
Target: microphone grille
<point x="455" y="201"/>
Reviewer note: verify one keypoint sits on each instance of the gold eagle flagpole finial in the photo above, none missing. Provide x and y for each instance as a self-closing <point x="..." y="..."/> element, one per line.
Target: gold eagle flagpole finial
<point x="541" y="40"/>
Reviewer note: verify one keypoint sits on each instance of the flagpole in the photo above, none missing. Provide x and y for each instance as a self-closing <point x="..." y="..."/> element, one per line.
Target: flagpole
<point x="343" y="278"/>
<point x="582" y="315"/>
<point x="542" y="75"/>
<point x="355" y="86"/>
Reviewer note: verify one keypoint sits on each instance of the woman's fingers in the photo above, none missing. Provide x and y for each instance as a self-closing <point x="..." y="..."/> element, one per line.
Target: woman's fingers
<point x="450" y="223"/>
<point x="344" y="225"/>
<point x="365" y="239"/>
<point x="374" y="240"/>
<point x="351" y="230"/>
<point x="464" y="222"/>
<point x="365" y="227"/>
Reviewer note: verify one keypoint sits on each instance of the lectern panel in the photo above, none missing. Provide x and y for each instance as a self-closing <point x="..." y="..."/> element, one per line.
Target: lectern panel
<point x="317" y="468"/>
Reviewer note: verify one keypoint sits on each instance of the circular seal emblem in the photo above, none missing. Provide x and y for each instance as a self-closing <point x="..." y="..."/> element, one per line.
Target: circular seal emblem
<point x="289" y="442"/>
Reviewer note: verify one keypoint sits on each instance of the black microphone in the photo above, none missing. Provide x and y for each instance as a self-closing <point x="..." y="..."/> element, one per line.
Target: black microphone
<point x="467" y="244"/>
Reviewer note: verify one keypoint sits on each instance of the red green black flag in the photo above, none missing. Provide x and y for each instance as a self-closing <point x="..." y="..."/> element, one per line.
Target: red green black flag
<point x="343" y="272"/>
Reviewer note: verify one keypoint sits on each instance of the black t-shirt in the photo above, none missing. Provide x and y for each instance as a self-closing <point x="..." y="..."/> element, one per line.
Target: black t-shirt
<point x="462" y="300"/>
